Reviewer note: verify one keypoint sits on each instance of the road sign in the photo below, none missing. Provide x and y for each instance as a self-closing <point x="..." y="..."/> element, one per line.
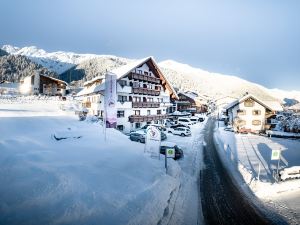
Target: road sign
<point x="170" y="152"/>
<point x="275" y="155"/>
<point x="153" y="138"/>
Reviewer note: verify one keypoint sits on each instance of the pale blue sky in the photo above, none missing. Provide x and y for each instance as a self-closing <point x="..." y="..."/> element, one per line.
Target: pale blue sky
<point x="256" y="40"/>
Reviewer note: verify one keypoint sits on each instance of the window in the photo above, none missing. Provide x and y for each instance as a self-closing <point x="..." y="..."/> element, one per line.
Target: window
<point x="146" y="73"/>
<point x="122" y="82"/>
<point x="137" y="112"/>
<point x="241" y="112"/>
<point x="122" y="98"/>
<point x="241" y="122"/>
<point x="140" y="71"/>
<point x="249" y="103"/>
<point x="256" y="122"/>
<point x="158" y="112"/>
<point x="120" y="114"/>
<point x="137" y="125"/>
<point x="120" y="127"/>
<point x="256" y="112"/>
<point x="148" y="112"/>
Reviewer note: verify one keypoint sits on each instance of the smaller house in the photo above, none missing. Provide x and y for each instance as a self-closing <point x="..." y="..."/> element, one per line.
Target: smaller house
<point x="191" y="102"/>
<point x="42" y="84"/>
<point x="252" y="114"/>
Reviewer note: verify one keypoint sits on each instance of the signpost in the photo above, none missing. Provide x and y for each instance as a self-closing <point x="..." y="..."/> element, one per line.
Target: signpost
<point x="276" y="156"/>
<point x="153" y="139"/>
<point x="170" y="153"/>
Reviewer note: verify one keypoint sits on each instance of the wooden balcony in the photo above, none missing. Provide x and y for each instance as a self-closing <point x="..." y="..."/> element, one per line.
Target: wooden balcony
<point x="145" y="91"/>
<point x="150" y="118"/>
<point x="145" y="105"/>
<point x="142" y="77"/>
<point x="86" y="104"/>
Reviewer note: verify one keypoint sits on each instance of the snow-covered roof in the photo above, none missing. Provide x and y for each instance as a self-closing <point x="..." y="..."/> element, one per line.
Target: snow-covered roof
<point x="88" y="90"/>
<point x="94" y="79"/>
<point x="189" y="94"/>
<point x="122" y="71"/>
<point x="272" y="105"/>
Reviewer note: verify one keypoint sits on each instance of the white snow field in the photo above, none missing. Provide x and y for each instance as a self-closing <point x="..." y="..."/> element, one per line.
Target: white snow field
<point x="250" y="155"/>
<point x="79" y="180"/>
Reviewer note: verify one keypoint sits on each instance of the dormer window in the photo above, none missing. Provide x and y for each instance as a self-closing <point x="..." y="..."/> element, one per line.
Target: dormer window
<point x="249" y="103"/>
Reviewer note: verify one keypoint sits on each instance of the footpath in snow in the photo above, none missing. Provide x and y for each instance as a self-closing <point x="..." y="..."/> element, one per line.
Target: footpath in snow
<point x="250" y="155"/>
<point x="82" y="180"/>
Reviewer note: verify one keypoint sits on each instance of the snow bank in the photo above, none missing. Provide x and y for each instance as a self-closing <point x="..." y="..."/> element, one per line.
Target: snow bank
<point x="88" y="180"/>
<point x="250" y="156"/>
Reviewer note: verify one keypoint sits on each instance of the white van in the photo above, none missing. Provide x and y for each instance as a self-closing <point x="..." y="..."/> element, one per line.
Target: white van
<point x="185" y="121"/>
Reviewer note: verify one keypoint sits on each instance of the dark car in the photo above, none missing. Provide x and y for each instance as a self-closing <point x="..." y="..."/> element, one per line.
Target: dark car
<point x="201" y="119"/>
<point x="178" y="151"/>
<point x="136" y="136"/>
<point x="163" y="136"/>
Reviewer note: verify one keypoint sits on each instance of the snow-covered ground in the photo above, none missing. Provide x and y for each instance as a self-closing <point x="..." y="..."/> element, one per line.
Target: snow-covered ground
<point x="250" y="155"/>
<point x="79" y="180"/>
<point x="85" y="179"/>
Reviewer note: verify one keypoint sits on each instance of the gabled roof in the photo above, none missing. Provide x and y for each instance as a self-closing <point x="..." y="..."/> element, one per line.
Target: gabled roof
<point x="271" y="105"/>
<point x="123" y="71"/>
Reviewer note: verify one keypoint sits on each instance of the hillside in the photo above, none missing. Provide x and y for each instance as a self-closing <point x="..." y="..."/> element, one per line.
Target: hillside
<point x="3" y="53"/>
<point x="15" y="67"/>
<point x="91" y="68"/>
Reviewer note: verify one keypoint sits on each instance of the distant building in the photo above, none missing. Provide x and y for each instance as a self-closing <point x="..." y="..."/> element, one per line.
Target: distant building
<point x="9" y="88"/>
<point x="42" y="84"/>
<point x="252" y="114"/>
<point x="144" y="95"/>
<point x="191" y="102"/>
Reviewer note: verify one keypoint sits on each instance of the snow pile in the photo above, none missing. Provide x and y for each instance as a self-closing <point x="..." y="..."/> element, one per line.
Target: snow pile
<point x="88" y="180"/>
<point x="250" y="155"/>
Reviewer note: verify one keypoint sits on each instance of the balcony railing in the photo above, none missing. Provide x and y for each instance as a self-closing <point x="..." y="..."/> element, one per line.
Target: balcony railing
<point x="86" y="104"/>
<point x="145" y="104"/>
<point x="149" y="118"/>
<point x="145" y="91"/>
<point x="143" y="77"/>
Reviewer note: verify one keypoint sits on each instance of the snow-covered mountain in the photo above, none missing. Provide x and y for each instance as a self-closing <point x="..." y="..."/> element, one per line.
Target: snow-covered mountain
<point x="183" y="76"/>
<point x="58" y="62"/>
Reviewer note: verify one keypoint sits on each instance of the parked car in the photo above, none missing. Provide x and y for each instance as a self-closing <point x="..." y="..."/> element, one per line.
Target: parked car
<point x="185" y="121"/>
<point x="182" y="131"/>
<point x="171" y="128"/>
<point x="201" y="119"/>
<point x="160" y="127"/>
<point x="196" y="119"/>
<point x="137" y="136"/>
<point x="166" y="145"/>
<point x="140" y="135"/>
<point x="290" y="173"/>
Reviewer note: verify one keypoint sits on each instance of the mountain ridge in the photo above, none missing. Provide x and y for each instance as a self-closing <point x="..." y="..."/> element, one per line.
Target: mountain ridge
<point x="181" y="75"/>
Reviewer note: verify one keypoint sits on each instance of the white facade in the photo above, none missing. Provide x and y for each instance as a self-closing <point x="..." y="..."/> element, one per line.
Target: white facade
<point x="142" y="98"/>
<point x="253" y="117"/>
<point x="251" y="114"/>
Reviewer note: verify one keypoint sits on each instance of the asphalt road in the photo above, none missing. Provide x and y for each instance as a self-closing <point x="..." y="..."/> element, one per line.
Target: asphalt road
<point x="222" y="201"/>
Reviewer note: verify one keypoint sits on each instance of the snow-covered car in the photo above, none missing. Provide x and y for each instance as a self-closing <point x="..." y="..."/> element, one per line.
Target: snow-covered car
<point x="182" y="131"/>
<point x="290" y="173"/>
<point x="185" y="121"/>
<point x="166" y="145"/>
<point x="137" y="136"/>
